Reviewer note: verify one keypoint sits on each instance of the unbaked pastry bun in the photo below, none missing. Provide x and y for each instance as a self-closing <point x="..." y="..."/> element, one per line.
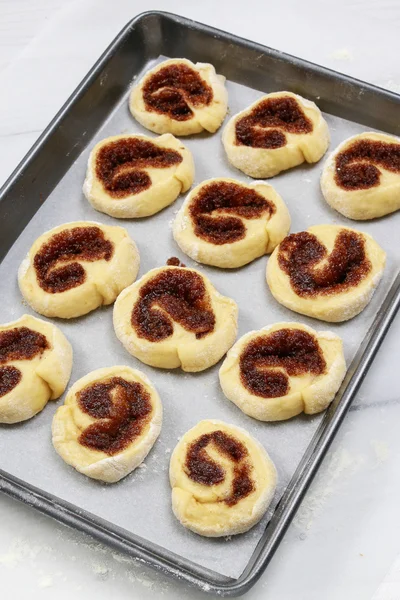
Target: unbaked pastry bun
<point x="131" y="176"/>
<point x="361" y="178"/>
<point x="180" y="97"/>
<point x="328" y="272"/>
<point x="35" y="366"/>
<point x="108" y="424"/>
<point x="282" y="370"/>
<point x="227" y="223"/>
<point x="222" y="479"/>
<point x="77" y="267"/>
<point x="277" y="132"/>
<point x="174" y="317"/>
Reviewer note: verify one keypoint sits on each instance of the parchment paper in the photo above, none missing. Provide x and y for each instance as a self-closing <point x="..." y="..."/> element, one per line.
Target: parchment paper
<point x="141" y="502"/>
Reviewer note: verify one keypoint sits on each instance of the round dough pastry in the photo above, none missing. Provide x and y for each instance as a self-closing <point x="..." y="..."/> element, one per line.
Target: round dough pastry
<point x="109" y="423"/>
<point x="361" y="178"/>
<point x="77" y="267"/>
<point x="222" y="479"/>
<point x="35" y="367"/>
<point x="227" y="223"/>
<point x="328" y="272"/>
<point x="282" y="370"/>
<point x="180" y="97"/>
<point x="174" y="317"/>
<point x="277" y="132"/>
<point x="130" y="176"/>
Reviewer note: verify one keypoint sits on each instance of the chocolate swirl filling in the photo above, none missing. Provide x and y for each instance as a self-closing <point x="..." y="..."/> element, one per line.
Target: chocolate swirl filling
<point x="120" y="165"/>
<point x="201" y="468"/>
<point x="174" y="89"/>
<point x="267" y="362"/>
<point x="175" y="294"/>
<point x="123" y="408"/>
<point x="345" y="267"/>
<point x="217" y="207"/>
<point x="264" y="127"/>
<point x="58" y="262"/>
<point x="356" y="167"/>
<point x="19" y="343"/>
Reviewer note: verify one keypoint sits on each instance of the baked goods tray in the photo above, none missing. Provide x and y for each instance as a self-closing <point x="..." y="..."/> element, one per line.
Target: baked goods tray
<point x="45" y="190"/>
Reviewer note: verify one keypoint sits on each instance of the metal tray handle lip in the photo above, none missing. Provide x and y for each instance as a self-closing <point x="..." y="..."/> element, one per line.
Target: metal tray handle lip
<point x="278" y="54"/>
<point x="365" y="355"/>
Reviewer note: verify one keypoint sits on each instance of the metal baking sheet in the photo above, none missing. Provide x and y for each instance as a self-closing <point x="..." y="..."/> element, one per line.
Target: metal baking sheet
<point x="135" y="514"/>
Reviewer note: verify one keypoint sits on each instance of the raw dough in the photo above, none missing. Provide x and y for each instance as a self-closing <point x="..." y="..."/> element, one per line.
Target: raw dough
<point x="131" y="176"/>
<point x="227" y="223"/>
<point x="109" y="422"/>
<point x="35" y="366"/>
<point x="174" y="317"/>
<point x="282" y="370"/>
<point x="361" y="178"/>
<point x="222" y="479"/>
<point x="328" y="272"/>
<point x="77" y="267"/>
<point x="180" y="97"/>
<point x="277" y="132"/>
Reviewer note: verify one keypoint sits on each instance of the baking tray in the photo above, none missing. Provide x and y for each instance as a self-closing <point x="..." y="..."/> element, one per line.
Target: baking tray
<point x="45" y="190"/>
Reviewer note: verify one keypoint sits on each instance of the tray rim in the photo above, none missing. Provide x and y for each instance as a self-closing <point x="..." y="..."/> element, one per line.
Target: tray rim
<point x="143" y="550"/>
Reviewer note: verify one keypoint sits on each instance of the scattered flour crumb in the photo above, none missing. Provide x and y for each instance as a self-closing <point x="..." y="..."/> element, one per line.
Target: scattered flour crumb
<point x="122" y="558"/>
<point x="142" y="466"/>
<point x="45" y="582"/>
<point x="342" y="464"/>
<point x="100" y="570"/>
<point x="381" y="450"/>
<point x="392" y="86"/>
<point x="20" y="550"/>
<point x="341" y="54"/>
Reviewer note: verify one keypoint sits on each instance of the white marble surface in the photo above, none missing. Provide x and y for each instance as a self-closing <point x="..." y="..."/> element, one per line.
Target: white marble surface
<point x="344" y="540"/>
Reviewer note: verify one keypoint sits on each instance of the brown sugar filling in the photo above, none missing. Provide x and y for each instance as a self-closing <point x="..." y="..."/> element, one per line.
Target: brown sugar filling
<point x="345" y="267"/>
<point x="293" y="350"/>
<point x="174" y="89"/>
<point x="264" y="127"/>
<point x="174" y="294"/>
<point x="123" y="409"/>
<point x="174" y="261"/>
<point x="120" y="165"/>
<point x="201" y="468"/>
<point x="19" y="343"/>
<point x="9" y="379"/>
<point x="218" y="206"/>
<point x="56" y="263"/>
<point x="357" y="165"/>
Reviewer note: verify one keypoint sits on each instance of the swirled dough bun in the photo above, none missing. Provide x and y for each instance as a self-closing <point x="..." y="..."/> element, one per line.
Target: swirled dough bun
<point x="227" y="223"/>
<point x="109" y="422"/>
<point x="180" y="97"/>
<point x="77" y="267"/>
<point x="361" y="178"/>
<point x="131" y="176"/>
<point x="328" y="272"/>
<point x="277" y="132"/>
<point x="174" y="317"/>
<point x="35" y="366"/>
<point x="222" y="479"/>
<point x="282" y="370"/>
